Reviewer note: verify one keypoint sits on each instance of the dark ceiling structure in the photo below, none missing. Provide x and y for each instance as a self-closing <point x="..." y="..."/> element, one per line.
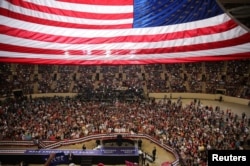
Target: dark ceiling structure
<point x="239" y="9"/>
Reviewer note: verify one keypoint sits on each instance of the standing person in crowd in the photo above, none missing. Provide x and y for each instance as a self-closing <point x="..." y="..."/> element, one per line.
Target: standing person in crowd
<point x="143" y="158"/>
<point x="83" y="147"/>
<point x="154" y="153"/>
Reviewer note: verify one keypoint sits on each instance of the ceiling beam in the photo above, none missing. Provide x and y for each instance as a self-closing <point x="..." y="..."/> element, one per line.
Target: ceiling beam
<point x="235" y="1"/>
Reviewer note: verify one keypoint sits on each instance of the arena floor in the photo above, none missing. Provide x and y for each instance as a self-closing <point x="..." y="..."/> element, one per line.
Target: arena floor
<point x="147" y="146"/>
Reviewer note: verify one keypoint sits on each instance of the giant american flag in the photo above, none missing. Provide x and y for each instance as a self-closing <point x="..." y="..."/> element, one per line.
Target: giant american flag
<point x="119" y="32"/>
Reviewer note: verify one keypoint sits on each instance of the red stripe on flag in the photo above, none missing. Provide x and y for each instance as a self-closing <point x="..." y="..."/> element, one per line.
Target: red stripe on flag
<point x="36" y="20"/>
<point x="118" y="39"/>
<point x="101" y="2"/>
<point x="125" y="62"/>
<point x="196" y="47"/>
<point x="31" y="50"/>
<point x="77" y="14"/>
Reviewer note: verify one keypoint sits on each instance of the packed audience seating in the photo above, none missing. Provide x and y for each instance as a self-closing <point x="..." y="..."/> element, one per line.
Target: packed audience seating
<point x="176" y="77"/>
<point x="45" y="78"/>
<point x="207" y="77"/>
<point x="191" y="129"/>
<point x="194" y="74"/>
<point x="111" y="99"/>
<point x="63" y="79"/>
<point x="84" y="79"/>
<point x="213" y="76"/>
<point x="6" y="85"/>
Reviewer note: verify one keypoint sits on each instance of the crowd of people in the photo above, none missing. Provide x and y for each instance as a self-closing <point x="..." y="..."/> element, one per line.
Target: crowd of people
<point x="207" y="77"/>
<point x="102" y="104"/>
<point x="190" y="129"/>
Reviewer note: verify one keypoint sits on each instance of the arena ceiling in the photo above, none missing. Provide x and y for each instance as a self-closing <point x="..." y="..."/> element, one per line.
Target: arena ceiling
<point x="239" y="9"/>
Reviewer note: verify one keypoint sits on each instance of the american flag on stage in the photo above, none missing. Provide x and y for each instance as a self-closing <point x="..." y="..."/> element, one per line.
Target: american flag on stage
<point x="118" y="32"/>
<point x="128" y="163"/>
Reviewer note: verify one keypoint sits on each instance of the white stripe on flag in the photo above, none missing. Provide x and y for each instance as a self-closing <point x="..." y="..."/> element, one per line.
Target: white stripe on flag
<point x="124" y="45"/>
<point x="210" y="52"/>
<point x="84" y="7"/>
<point x="90" y="33"/>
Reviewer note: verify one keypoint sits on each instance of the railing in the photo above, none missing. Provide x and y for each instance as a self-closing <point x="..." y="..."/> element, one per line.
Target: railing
<point x="57" y="144"/>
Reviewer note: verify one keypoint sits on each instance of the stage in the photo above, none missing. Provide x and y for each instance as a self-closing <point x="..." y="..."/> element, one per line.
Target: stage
<point x="107" y="155"/>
